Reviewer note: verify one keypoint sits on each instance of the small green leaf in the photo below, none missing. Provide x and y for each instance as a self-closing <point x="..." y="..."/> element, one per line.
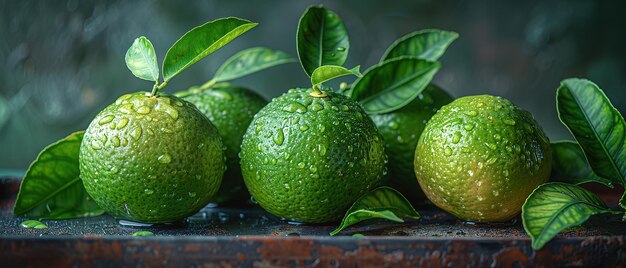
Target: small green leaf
<point x="329" y="72"/>
<point x="52" y="188"/>
<point x="33" y="224"/>
<point x="622" y="201"/>
<point x="143" y="233"/>
<point x="142" y="61"/>
<point x="427" y="44"/>
<point x="202" y="41"/>
<point x="569" y="165"/>
<point x="383" y="202"/>
<point x="555" y="206"/>
<point x="597" y="126"/>
<point x="249" y="61"/>
<point x="322" y="39"/>
<point x="392" y="84"/>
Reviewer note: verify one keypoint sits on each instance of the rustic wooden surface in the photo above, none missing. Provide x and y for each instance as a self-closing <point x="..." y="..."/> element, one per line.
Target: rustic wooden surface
<point x="248" y="236"/>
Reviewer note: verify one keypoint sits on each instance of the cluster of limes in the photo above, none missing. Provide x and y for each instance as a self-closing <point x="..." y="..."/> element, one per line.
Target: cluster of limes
<point x="309" y="154"/>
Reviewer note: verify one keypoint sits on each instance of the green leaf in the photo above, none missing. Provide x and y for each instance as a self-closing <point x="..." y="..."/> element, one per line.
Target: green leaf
<point x="597" y="126"/>
<point x="427" y="44"/>
<point x="622" y="201"/>
<point x="322" y="39"/>
<point x="383" y="202"/>
<point x="143" y="233"/>
<point x="52" y="188"/>
<point x="570" y="165"/>
<point x="33" y="224"/>
<point x="142" y="61"/>
<point x="329" y="72"/>
<point x="394" y="83"/>
<point x="202" y="41"/>
<point x="555" y="206"/>
<point x="249" y="61"/>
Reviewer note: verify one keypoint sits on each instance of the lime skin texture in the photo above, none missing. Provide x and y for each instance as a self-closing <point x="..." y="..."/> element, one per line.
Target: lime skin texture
<point x="151" y="159"/>
<point x="480" y="157"/>
<point x="401" y="130"/>
<point x="230" y="109"/>
<point x="307" y="159"/>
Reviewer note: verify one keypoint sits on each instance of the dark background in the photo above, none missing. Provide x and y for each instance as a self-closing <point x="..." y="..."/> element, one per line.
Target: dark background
<point x="63" y="61"/>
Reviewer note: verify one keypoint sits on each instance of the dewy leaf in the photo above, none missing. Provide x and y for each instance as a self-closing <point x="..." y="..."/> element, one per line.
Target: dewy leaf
<point x="328" y="72"/>
<point x="142" y="61"/>
<point x="427" y="44"/>
<point x="249" y="61"/>
<point x="555" y="206"/>
<point x="52" y="188"/>
<point x="202" y="41"/>
<point x="322" y="39"/>
<point x="597" y="126"/>
<point x="570" y="165"/>
<point x="383" y="202"/>
<point x="392" y="84"/>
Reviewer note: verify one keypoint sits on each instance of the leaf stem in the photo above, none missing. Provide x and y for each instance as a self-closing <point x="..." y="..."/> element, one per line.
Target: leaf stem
<point x="157" y="87"/>
<point x="317" y="93"/>
<point x="208" y="84"/>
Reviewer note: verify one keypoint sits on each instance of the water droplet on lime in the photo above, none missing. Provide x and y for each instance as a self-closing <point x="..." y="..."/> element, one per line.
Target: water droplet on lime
<point x="457" y="137"/>
<point x="471" y="113"/>
<point x="164" y="158"/>
<point x="115" y="141"/>
<point x="105" y="120"/>
<point x="294" y="107"/>
<point x="173" y="113"/>
<point x="316" y="107"/>
<point x="122" y="123"/>
<point x="509" y="122"/>
<point x="321" y="127"/>
<point x="143" y="110"/>
<point x="394" y="125"/>
<point x="322" y="149"/>
<point x="96" y="145"/>
<point x="279" y="137"/>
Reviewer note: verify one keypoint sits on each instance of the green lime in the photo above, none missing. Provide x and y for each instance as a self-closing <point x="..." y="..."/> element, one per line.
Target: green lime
<point x="401" y="130"/>
<point x="151" y="159"/>
<point x="308" y="159"/>
<point x="231" y="110"/>
<point x="479" y="157"/>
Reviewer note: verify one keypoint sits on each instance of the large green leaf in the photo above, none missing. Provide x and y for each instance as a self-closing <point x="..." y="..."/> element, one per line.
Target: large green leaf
<point x="427" y="44"/>
<point x="142" y="61"/>
<point x="52" y="188"/>
<point x="394" y="83"/>
<point x="555" y="206"/>
<point x="383" y="202"/>
<point x="570" y="165"/>
<point x="328" y="72"/>
<point x="202" y="41"/>
<point x="322" y="39"/>
<point x="597" y="126"/>
<point x="249" y="61"/>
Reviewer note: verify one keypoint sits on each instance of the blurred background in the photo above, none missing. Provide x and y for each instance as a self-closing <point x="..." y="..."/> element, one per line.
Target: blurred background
<point x="63" y="61"/>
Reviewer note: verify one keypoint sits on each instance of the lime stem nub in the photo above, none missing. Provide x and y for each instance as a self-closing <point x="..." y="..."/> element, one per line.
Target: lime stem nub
<point x="317" y="93"/>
